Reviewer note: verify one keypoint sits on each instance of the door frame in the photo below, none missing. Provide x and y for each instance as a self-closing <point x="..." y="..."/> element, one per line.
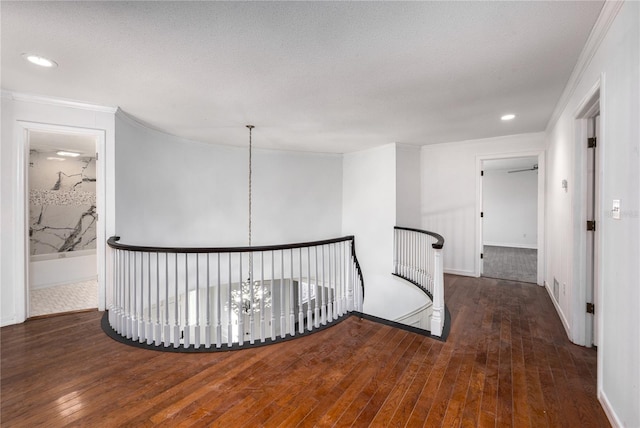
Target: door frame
<point x="22" y="208"/>
<point x="583" y="323"/>
<point x="540" y="154"/>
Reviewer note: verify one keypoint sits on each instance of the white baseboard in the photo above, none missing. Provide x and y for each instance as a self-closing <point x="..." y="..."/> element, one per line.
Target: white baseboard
<point x="564" y="321"/>
<point x="608" y="410"/>
<point x="511" y="245"/>
<point x="419" y="318"/>
<point x="460" y="272"/>
<point x="8" y="321"/>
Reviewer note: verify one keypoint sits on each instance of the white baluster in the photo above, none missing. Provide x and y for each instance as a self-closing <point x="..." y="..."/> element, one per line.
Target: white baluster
<point x="332" y="309"/>
<point x="121" y="275"/>
<point x="207" y="328"/>
<point x="309" y="313"/>
<point x="129" y="297"/>
<point x="166" y="340"/>
<point x="262" y="322"/>
<point x="300" y="309"/>
<point x="176" y="327"/>
<point x="141" y="324"/>
<point x="185" y="331"/>
<point x="341" y="278"/>
<point x="150" y="326"/>
<point x="134" y="314"/>
<point x="113" y="314"/>
<point x="283" y="321"/>
<point x="229" y="321"/>
<point x="292" y="318"/>
<point x="157" y="334"/>
<point x="338" y="311"/>
<point x="273" y="312"/>
<point x="316" y="315"/>
<point x="252" y="308"/>
<point x="218" y="309"/>
<point x="240" y="311"/>
<point x="196" y="328"/>
<point x="324" y="290"/>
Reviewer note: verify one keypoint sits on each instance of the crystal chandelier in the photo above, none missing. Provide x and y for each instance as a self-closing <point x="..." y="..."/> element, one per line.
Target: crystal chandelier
<point x="243" y="302"/>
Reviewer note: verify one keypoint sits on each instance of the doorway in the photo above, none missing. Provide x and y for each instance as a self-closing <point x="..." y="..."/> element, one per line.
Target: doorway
<point x="510" y="203"/>
<point x="62" y="222"/>
<point x="22" y="222"/>
<point x="590" y="147"/>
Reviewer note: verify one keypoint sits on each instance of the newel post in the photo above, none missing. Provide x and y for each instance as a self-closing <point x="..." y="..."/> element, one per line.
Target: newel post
<point x="437" y="319"/>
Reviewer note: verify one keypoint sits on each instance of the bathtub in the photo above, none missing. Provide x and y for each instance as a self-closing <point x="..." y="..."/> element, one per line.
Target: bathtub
<point x="48" y="270"/>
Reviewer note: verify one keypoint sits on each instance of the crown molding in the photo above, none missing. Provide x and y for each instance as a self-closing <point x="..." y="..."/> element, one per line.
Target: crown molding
<point x="408" y="146"/>
<point x="59" y="102"/>
<point x="524" y="136"/>
<point x="607" y="15"/>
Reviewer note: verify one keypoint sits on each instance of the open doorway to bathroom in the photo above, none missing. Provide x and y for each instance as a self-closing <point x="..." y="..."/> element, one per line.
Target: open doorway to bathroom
<point x="62" y="222"/>
<point x="510" y="218"/>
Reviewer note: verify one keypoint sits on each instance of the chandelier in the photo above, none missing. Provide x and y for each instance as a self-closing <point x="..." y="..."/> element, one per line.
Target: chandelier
<point x="251" y="296"/>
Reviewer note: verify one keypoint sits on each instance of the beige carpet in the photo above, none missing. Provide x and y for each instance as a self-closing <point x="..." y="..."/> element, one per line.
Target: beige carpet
<point x="63" y="298"/>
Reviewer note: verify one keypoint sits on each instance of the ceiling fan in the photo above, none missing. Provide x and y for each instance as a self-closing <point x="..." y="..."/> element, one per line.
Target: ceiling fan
<point x="533" y="168"/>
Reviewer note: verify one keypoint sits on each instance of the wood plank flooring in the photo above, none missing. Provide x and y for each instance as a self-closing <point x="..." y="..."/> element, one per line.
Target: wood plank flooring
<point x="507" y="362"/>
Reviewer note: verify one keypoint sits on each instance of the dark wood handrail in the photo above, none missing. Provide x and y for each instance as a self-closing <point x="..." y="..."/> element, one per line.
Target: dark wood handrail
<point x="357" y="263"/>
<point x="436" y="245"/>
<point x="113" y="243"/>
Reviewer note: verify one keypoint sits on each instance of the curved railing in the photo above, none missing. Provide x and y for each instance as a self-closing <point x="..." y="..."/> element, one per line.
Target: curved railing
<point x="225" y="298"/>
<point x="418" y="259"/>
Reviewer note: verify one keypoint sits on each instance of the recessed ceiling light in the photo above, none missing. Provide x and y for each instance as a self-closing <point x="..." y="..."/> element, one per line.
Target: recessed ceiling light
<point x="40" y="60"/>
<point x="69" y="154"/>
<point x="55" y="158"/>
<point x="508" y="117"/>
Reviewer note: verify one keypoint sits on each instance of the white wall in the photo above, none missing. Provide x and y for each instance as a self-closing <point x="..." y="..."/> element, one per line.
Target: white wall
<point x="369" y="213"/>
<point x="176" y="192"/>
<point x="450" y="192"/>
<point x="615" y="64"/>
<point x="510" y="207"/>
<point x="407" y="186"/>
<point x="17" y="109"/>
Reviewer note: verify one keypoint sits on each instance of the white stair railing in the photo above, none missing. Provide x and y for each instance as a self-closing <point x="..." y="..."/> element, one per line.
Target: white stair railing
<point x="418" y="259"/>
<point x="217" y="298"/>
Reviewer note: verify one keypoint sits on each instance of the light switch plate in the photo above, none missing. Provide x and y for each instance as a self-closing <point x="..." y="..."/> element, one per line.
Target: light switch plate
<point x="615" y="211"/>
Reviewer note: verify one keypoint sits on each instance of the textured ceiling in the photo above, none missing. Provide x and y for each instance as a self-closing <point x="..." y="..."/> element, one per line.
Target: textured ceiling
<point x="311" y="76"/>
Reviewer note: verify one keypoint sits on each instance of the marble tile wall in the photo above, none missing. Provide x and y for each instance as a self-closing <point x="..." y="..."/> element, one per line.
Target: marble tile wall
<point x="62" y="203"/>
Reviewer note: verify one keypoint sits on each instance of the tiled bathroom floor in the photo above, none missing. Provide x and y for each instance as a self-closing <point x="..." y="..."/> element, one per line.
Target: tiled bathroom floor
<point x="64" y="298"/>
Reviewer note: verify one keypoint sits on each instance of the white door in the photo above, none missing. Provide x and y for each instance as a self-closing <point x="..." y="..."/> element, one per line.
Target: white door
<point x="592" y="235"/>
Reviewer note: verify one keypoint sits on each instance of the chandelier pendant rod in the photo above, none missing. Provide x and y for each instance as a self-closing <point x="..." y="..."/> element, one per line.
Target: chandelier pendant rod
<point x="250" y="197"/>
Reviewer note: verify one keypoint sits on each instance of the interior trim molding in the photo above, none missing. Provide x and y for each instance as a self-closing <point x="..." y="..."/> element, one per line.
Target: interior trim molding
<point x="608" y="410"/>
<point x="563" y="319"/>
<point x="460" y="272"/>
<point x="600" y="29"/>
<point x="59" y="102"/>
<point x="510" y="245"/>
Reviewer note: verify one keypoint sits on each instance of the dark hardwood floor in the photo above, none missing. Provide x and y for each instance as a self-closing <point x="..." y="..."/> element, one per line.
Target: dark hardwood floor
<point x="507" y="362"/>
